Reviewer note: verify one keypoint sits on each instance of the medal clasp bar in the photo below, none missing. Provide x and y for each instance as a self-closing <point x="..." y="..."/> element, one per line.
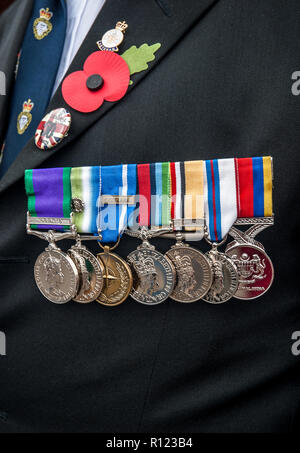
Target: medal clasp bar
<point x="129" y="200"/>
<point x="256" y="224"/>
<point x="48" y="221"/>
<point x="254" y="221"/>
<point x="51" y="235"/>
<point x="145" y="233"/>
<point x="87" y="237"/>
<point x="178" y="225"/>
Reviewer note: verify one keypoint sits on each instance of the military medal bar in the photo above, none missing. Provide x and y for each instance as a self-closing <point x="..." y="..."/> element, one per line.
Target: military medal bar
<point x="188" y="201"/>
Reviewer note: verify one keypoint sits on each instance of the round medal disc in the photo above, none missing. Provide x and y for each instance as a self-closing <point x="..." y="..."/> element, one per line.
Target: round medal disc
<point x="255" y="270"/>
<point x="90" y="272"/>
<point x="117" y="280"/>
<point x="225" y="278"/>
<point x="153" y="276"/>
<point x="112" y="38"/>
<point x="194" y="275"/>
<point x="56" y="276"/>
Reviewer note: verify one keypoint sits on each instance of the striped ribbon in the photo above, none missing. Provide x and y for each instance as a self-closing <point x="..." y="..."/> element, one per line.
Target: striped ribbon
<point x="194" y="197"/>
<point x="218" y="190"/>
<point x="178" y="190"/>
<point x="236" y="188"/>
<point x="49" y="195"/>
<point x="85" y="185"/>
<point x="154" y="181"/>
<point x="119" y="180"/>
<point x="254" y="178"/>
<point x="187" y="191"/>
<point x="220" y="197"/>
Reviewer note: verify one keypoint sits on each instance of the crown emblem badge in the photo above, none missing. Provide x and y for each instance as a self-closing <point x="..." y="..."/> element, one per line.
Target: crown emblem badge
<point x="42" y="25"/>
<point x="113" y="38"/>
<point x="25" y="117"/>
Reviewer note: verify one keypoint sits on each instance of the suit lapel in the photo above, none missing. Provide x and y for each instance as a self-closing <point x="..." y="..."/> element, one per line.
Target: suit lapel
<point x="149" y="21"/>
<point x="15" y="19"/>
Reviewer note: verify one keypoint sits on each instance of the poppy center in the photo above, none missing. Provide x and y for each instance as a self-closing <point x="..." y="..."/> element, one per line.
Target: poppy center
<point x="94" y="82"/>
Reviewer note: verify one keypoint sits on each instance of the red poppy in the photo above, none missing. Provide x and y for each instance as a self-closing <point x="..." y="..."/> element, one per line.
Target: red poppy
<point x="105" y="77"/>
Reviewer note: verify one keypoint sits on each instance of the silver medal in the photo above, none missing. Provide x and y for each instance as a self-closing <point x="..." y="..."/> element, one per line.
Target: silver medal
<point x="90" y="271"/>
<point x="55" y="273"/>
<point x="225" y="278"/>
<point x="193" y="271"/>
<point x="153" y="273"/>
<point x="225" y="275"/>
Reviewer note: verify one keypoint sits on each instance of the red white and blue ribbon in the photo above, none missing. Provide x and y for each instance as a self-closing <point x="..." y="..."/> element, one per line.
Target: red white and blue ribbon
<point x="220" y="197"/>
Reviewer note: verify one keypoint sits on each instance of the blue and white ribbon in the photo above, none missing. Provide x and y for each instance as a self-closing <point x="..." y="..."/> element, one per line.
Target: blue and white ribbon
<point x="120" y="181"/>
<point x="220" y="197"/>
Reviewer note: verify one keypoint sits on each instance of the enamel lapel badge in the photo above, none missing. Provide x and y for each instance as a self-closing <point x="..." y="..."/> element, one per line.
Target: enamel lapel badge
<point x="25" y="117"/>
<point x="42" y="25"/>
<point x="52" y="129"/>
<point x="113" y="38"/>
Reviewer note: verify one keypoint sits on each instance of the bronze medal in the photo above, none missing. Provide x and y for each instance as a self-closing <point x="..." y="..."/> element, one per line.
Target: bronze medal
<point x="117" y="279"/>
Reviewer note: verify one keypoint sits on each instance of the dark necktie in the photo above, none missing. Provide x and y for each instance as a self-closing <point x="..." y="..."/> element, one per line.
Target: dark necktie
<point x="39" y="61"/>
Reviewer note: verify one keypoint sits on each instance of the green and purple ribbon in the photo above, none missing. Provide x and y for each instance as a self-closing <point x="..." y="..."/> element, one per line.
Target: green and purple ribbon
<point x="49" y="194"/>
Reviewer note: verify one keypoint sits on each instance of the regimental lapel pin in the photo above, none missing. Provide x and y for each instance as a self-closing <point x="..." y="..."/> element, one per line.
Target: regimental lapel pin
<point x="112" y="39"/>
<point x="25" y="117"/>
<point x="42" y="25"/>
